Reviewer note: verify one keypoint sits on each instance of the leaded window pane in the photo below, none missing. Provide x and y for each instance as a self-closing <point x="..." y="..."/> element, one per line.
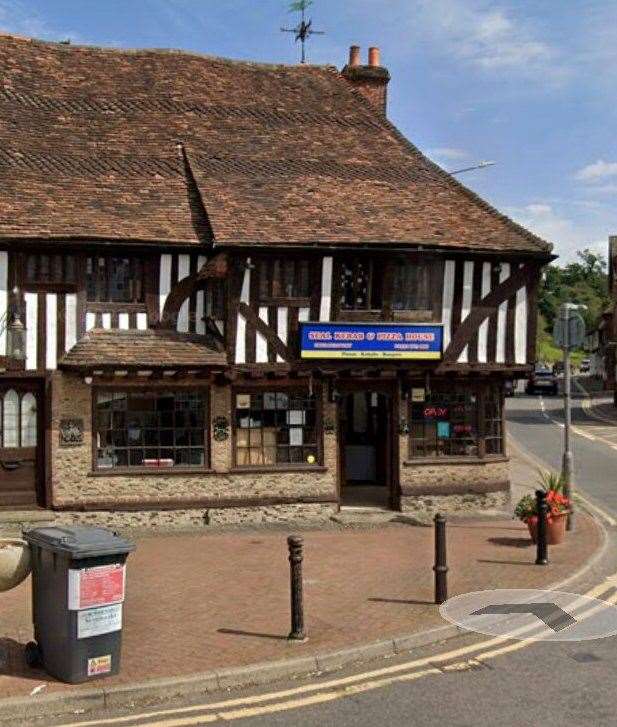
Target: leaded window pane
<point x="276" y="429"/>
<point x="151" y="429"/>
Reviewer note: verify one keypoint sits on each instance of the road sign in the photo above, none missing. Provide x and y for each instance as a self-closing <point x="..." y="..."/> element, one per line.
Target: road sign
<point x="576" y="331"/>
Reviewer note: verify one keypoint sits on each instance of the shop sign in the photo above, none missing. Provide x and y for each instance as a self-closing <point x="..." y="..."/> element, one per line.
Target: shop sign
<point x="435" y="412"/>
<point x="97" y="621"/>
<point x="443" y="430"/>
<point x="99" y="586"/>
<point x="418" y="395"/>
<point x="371" y="341"/>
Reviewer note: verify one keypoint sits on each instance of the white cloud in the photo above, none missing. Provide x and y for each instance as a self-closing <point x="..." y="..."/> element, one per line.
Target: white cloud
<point x="538" y="210"/>
<point x="17" y="18"/>
<point x="490" y="37"/>
<point x="568" y="233"/>
<point x="602" y="189"/>
<point x="596" y="171"/>
<point x="448" y="153"/>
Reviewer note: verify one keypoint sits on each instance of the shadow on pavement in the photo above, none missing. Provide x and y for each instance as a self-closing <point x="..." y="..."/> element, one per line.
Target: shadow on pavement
<point x="511" y="542"/>
<point x="13" y="664"/>
<point x="401" y="600"/>
<point x="508" y="562"/>
<point x="255" y="634"/>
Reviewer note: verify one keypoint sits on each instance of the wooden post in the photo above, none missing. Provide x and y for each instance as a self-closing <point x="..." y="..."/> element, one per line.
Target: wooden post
<point x="440" y="567"/>
<point x="542" y="546"/>
<point x="296" y="555"/>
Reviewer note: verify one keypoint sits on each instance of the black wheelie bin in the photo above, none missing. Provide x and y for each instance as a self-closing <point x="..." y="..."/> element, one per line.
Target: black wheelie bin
<point x="78" y="585"/>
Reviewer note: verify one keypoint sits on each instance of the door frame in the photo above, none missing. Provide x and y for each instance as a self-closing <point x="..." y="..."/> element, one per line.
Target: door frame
<point x="391" y="389"/>
<point x="31" y="381"/>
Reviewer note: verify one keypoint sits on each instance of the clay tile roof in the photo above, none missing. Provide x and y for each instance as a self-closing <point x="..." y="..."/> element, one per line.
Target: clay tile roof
<point x="176" y="147"/>
<point x="121" y="349"/>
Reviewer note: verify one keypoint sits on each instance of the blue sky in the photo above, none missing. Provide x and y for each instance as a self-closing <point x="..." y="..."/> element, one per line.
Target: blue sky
<point x="530" y="84"/>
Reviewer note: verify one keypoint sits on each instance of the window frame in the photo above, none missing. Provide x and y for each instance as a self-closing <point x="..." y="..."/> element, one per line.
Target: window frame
<point x="21" y="394"/>
<point x="140" y="469"/>
<point x="249" y="389"/>
<point x="371" y="312"/>
<point x="481" y="391"/>
<point x="67" y="264"/>
<point x="104" y="286"/>
<point x="265" y="271"/>
<point x="386" y="269"/>
<point x="435" y="266"/>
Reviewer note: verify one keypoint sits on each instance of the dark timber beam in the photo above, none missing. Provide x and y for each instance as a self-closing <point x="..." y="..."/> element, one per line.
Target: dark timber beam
<point x="216" y="268"/>
<point x="522" y="277"/>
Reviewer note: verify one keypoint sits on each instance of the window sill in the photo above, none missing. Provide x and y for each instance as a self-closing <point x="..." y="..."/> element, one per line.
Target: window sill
<point x="156" y="471"/>
<point x="256" y="469"/>
<point x="454" y="459"/>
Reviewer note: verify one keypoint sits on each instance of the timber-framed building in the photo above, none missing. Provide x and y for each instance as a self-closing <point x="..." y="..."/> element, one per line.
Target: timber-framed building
<point x="233" y="291"/>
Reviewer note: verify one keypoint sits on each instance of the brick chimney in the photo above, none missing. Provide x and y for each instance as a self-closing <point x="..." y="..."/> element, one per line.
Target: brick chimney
<point x="370" y="80"/>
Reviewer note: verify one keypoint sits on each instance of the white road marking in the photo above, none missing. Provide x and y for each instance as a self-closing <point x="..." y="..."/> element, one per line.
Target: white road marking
<point x="346" y="686"/>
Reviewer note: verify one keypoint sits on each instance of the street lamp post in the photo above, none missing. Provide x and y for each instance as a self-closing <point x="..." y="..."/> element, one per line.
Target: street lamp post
<point x="480" y="165"/>
<point x="567" y="467"/>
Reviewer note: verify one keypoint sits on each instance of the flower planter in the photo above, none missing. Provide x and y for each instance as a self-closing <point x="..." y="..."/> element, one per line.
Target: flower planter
<point x="555" y="528"/>
<point x="14" y="562"/>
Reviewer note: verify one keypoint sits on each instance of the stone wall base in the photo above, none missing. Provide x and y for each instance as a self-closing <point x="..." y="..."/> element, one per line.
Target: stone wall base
<point x="426" y="506"/>
<point x="191" y="520"/>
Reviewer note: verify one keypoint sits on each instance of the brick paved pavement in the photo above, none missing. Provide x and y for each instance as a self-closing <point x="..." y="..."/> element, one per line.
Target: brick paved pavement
<point x="197" y="602"/>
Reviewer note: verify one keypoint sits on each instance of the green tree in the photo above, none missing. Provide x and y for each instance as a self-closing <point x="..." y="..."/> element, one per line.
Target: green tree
<point x="584" y="282"/>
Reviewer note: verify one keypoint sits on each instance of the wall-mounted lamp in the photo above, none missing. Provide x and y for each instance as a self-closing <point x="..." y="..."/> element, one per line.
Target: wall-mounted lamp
<point x="15" y="330"/>
<point x="16" y="338"/>
<point x="88" y="380"/>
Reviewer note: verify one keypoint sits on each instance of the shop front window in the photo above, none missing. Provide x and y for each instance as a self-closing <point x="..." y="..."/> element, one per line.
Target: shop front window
<point x="447" y="422"/>
<point x="275" y="428"/>
<point x="150" y="429"/>
<point x="493" y="422"/>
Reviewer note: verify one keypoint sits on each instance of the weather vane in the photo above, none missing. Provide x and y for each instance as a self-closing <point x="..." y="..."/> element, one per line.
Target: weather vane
<point x="303" y="30"/>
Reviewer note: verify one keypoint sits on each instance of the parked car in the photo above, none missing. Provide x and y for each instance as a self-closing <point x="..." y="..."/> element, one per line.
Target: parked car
<point x="585" y="366"/>
<point x="542" y="381"/>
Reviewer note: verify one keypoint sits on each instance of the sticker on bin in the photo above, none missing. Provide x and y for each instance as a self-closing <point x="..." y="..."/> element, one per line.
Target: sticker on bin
<point x="99" y="665"/>
<point x="98" y="621"/>
<point x="102" y="585"/>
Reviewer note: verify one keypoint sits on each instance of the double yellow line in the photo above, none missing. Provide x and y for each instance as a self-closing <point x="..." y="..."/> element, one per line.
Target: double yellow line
<point x="328" y="691"/>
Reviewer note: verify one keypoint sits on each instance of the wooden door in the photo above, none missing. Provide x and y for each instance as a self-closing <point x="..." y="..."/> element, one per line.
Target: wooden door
<point x="20" y="444"/>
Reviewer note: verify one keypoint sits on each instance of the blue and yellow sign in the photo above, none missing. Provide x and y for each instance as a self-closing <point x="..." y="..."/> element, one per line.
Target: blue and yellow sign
<point x="371" y="340"/>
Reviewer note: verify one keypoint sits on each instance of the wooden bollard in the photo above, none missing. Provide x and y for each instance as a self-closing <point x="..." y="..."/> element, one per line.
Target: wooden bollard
<point x="440" y="567"/>
<point x="296" y="555"/>
<point x="541" y="537"/>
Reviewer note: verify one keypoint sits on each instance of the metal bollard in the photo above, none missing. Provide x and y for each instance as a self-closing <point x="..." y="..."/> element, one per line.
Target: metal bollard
<point x="440" y="567"/>
<point x="296" y="555"/>
<point x="542" y="545"/>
